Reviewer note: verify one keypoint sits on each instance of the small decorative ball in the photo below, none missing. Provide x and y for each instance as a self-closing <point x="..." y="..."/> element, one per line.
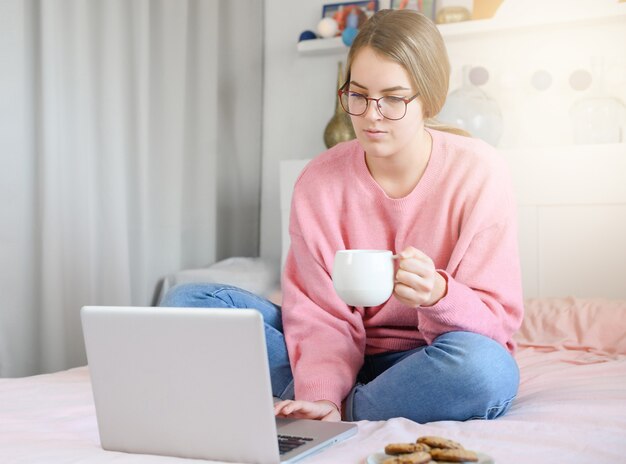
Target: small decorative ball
<point x="541" y="80"/>
<point x="478" y="75"/>
<point x="307" y="35"/>
<point x="327" y="28"/>
<point x="348" y="35"/>
<point x="580" y="80"/>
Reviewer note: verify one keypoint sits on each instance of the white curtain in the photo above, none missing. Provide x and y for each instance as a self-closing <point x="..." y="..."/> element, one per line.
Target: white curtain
<point x="109" y="112"/>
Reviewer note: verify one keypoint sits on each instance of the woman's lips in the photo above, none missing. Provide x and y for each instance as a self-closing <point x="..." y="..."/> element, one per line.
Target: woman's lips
<point x="374" y="133"/>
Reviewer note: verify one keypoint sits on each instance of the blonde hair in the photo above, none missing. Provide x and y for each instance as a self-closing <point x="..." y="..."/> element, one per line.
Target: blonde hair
<point x="412" y="40"/>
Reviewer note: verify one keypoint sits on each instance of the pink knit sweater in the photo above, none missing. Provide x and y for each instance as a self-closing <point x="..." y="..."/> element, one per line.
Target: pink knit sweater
<point x="461" y="214"/>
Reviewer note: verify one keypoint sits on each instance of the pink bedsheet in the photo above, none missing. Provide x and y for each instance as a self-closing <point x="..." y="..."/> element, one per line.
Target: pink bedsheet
<point x="571" y="406"/>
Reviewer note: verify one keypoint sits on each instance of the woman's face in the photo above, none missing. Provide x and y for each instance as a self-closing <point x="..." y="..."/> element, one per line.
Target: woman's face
<point x="375" y="76"/>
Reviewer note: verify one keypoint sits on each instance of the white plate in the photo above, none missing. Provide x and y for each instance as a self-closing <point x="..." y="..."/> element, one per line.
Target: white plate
<point x="378" y="458"/>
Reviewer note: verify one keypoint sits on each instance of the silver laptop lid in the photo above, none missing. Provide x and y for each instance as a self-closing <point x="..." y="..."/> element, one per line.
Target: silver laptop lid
<point x="159" y="386"/>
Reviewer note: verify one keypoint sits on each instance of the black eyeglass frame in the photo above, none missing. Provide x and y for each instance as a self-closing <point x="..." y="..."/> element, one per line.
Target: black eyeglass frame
<point x="406" y="101"/>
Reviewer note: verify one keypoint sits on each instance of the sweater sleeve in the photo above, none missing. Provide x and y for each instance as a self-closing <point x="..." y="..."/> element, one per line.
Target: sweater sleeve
<point x="484" y="292"/>
<point x="325" y="338"/>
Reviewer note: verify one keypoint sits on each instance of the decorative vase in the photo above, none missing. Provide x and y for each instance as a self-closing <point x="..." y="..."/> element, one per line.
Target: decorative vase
<point x="339" y="128"/>
<point x="453" y="11"/>
<point x="471" y="109"/>
<point x="598" y="117"/>
<point x="453" y="14"/>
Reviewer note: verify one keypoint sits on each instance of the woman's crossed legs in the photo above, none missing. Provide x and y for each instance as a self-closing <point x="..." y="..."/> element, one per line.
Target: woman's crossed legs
<point x="460" y="376"/>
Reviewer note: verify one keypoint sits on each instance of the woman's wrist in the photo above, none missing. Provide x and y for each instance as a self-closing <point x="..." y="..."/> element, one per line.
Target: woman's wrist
<point x="331" y="403"/>
<point x="440" y="289"/>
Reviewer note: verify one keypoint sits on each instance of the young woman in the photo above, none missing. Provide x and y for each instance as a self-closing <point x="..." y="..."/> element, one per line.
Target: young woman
<point x="440" y="347"/>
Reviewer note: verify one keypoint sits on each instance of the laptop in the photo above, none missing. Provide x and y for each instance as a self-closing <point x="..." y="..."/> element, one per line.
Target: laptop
<point x="192" y="383"/>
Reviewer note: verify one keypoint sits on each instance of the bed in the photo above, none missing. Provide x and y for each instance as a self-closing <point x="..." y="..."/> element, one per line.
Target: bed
<point x="571" y="405"/>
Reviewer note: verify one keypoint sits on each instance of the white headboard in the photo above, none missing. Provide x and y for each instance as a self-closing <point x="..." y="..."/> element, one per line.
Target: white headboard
<point x="572" y="218"/>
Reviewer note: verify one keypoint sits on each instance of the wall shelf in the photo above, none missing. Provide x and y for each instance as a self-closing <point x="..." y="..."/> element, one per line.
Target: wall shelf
<point x="612" y="12"/>
<point x="322" y="46"/>
<point x="477" y="28"/>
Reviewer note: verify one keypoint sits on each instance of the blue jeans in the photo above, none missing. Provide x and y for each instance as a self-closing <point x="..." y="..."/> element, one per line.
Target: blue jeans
<point x="460" y="376"/>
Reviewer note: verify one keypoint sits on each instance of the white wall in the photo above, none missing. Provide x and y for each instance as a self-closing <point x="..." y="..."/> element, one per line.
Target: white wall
<point x="298" y="103"/>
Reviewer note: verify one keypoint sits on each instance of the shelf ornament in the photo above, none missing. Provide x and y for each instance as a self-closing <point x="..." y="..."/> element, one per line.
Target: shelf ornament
<point x="471" y="109"/>
<point x="339" y="128"/>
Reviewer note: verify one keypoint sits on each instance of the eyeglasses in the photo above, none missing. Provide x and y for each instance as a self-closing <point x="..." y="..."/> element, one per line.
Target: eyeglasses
<point x="389" y="107"/>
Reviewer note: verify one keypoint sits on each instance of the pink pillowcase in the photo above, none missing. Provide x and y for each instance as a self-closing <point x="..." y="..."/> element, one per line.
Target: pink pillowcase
<point x="594" y="325"/>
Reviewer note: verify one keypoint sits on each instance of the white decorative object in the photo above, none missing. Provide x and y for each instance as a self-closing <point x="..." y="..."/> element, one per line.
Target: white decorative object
<point x="327" y="28"/>
<point x="599" y="117"/>
<point x="541" y="80"/>
<point x="471" y="109"/>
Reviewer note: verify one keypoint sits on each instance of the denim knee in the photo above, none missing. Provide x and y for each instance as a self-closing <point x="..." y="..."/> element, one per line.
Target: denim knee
<point x="210" y="295"/>
<point x="191" y="295"/>
<point x="488" y="374"/>
<point x="460" y="376"/>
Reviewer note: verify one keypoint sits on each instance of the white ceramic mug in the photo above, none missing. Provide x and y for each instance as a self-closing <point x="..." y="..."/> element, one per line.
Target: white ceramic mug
<point x="363" y="277"/>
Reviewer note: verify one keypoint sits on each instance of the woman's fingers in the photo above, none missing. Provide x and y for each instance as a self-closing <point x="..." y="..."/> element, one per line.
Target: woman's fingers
<point x="416" y="278"/>
<point x="287" y="407"/>
<point x="323" y="410"/>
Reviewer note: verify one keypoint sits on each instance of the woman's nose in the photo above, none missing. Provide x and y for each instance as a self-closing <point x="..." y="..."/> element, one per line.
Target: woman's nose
<point x="372" y="112"/>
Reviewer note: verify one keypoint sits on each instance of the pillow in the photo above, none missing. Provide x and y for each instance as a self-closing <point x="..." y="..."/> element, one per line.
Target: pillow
<point x="255" y="275"/>
<point x="591" y="324"/>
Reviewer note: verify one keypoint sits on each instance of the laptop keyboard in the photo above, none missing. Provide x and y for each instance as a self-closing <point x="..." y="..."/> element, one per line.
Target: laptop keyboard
<point x="288" y="443"/>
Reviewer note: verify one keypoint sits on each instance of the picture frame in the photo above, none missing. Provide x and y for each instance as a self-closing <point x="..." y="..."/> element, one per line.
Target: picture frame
<point x="329" y="10"/>
<point x="426" y="7"/>
<point x="339" y="11"/>
<point x="416" y="5"/>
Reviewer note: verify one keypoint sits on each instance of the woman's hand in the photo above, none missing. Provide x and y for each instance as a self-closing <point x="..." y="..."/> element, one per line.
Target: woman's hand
<point x="417" y="281"/>
<point x="320" y="410"/>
